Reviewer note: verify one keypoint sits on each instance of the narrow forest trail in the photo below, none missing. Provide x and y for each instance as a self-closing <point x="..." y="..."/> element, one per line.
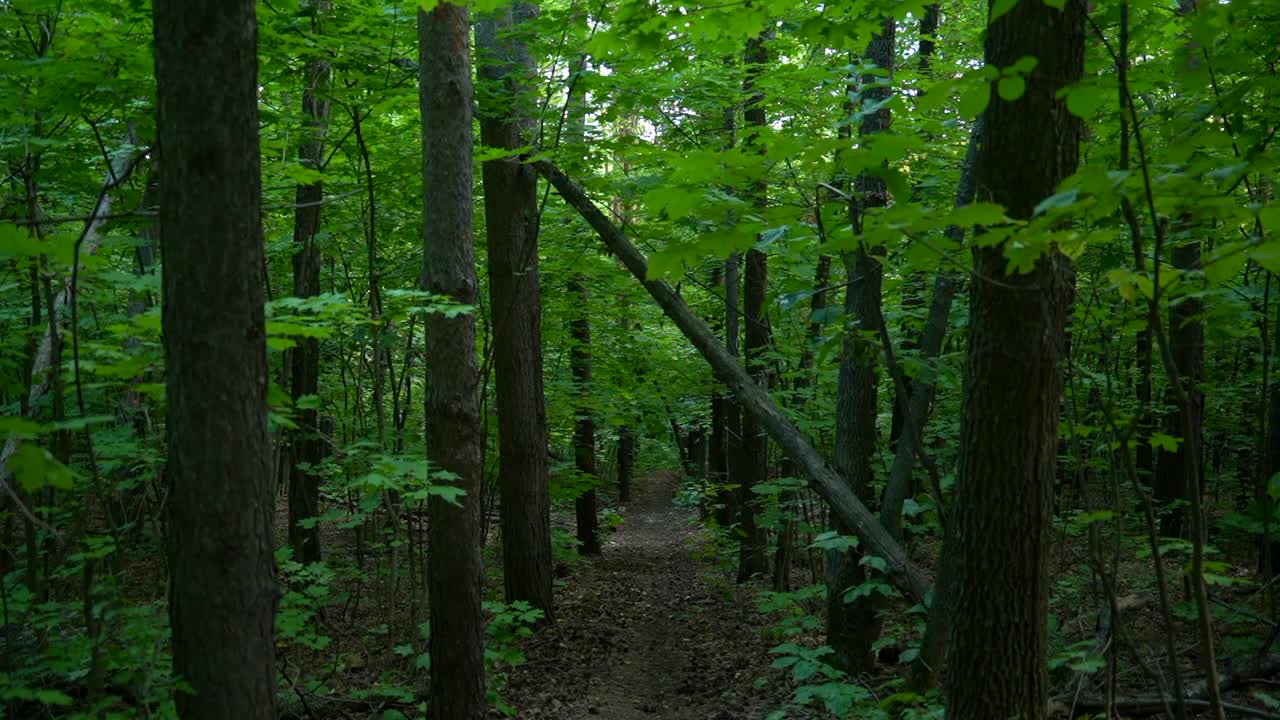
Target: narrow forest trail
<point x="648" y="630"/>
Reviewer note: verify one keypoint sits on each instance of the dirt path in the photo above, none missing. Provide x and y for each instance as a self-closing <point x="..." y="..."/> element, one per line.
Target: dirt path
<point x="648" y="630"/>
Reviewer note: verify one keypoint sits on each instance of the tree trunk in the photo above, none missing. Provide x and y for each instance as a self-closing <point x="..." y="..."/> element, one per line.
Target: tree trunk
<point x="222" y="595"/>
<point x="1269" y="553"/>
<point x="999" y="531"/>
<point x="852" y="627"/>
<point x="511" y="218"/>
<point x="753" y="549"/>
<point x="626" y="462"/>
<point x="584" y="431"/>
<point x="901" y="483"/>
<point x="308" y="445"/>
<point x="729" y="498"/>
<point x="455" y="573"/>
<point x="785" y="548"/>
<point x="913" y="283"/>
<point x="1186" y="342"/>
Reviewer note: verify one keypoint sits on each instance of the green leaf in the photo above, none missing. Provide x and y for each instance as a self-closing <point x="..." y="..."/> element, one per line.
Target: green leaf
<point x="1267" y="255"/>
<point x="974" y="99"/>
<point x="1088" y="518"/>
<point x="1160" y="441"/>
<point x="832" y="540"/>
<point x="1083" y="101"/>
<point x="1011" y="88"/>
<point x="1024" y="65"/>
<point x="1000" y="8"/>
<point x="1058" y="201"/>
<point x="35" y="468"/>
<point x="20" y="428"/>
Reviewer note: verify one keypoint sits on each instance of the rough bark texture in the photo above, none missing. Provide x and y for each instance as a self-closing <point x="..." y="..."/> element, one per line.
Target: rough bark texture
<point x="852" y="627"/>
<point x="1186" y="342"/>
<point x="753" y="552"/>
<point x="826" y="482"/>
<point x="308" y="445"/>
<point x="584" y="430"/>
<point x="1000" y="524"/>
<point x="223" y="591"/>
<point x="753" y="556"/>
<point x="729" y="499"/>
<point x="454" y="567"/>
<point x="510" y="202"/>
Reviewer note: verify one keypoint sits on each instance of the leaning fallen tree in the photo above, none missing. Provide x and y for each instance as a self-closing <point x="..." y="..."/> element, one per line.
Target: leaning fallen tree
<point x="904" y="574"/>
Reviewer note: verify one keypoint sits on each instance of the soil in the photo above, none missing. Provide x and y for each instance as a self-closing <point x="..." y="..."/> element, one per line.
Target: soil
<point x="650" y="629"/>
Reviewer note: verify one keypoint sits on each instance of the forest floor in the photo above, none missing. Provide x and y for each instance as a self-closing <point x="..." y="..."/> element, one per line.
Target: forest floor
<point x="652" y="628"/>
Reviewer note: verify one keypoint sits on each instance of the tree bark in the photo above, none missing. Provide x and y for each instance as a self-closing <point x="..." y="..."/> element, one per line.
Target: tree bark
<point x="852" y="627"/>
<point x="511" y="219"/>
<point x="826" y="482"/>
<point x="785" y="548"/>
<point x="223" y="590"/>
<point x="584" y="430"/>
<point x="1171" y="489"/>
<point x="999" y="530"/>
<point x="455" y="573"/>
<point x="753" y="556"/>
<point x="729" y="497"/>
<point x="308" y="445"/>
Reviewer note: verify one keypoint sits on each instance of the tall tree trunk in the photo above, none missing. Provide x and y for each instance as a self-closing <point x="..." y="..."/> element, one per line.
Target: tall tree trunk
<point x="1269" y="555"/>
<point x="1186" y="342"/>
<point x="455" y="572"/>
<point x="511" y="218"/>
<point x="913" y="283"/>
<point x="729" y="497"/>
<point x="308" y="445"/>
<point x="725" y="409"/>
<point x="222" y="595"/>
<point x="852" y="626"/>
<point x="999" y="531"/>
<point x="753" y="550"/>
<point x="584" y="430"/>
<point x="784" y="550"/>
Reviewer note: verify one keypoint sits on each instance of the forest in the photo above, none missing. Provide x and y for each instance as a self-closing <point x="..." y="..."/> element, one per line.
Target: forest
<point x="702" y="360"/>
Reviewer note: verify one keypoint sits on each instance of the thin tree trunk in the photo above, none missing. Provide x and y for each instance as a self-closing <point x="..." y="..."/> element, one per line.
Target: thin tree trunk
<point x="1186" y="341"/>
<point x="852" y="626"/>
<point x="626" y="462"/>
<point x="584" y="432"/>
<point x="308" y="446"/>
<point x="784" y="551"/>
<point x="913" y="283"/>
<point x="455" y="572"/>
<point x="511" y="218"/>
<point x="753" y="551"/>
<point x="223" y="591"/>
<point x="901" y="483"/>
<point x="733" y="446"/>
